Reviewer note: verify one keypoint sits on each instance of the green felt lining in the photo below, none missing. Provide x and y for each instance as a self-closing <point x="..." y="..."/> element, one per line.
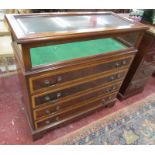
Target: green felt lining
<point x="57" y="53"/>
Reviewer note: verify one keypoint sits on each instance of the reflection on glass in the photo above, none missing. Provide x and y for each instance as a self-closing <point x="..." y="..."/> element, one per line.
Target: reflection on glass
<point x="40" y="24"/>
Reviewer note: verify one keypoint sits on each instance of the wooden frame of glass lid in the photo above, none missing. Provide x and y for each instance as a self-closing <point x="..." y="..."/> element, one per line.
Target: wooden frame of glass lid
<point x="38" y="30"/>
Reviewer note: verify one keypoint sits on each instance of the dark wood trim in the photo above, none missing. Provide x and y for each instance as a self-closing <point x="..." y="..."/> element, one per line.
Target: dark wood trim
<point x="26" y="57"/>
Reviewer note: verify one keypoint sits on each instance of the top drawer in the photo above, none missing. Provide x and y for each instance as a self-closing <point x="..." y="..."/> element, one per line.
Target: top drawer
<point x="44" y="81"/>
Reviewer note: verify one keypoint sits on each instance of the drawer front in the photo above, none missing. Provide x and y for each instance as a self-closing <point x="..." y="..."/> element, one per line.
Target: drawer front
<point x="38" y="100"/>
<point x="59" y="117"/>
<point x="51" y="79"/>
<point x="53" y="109"/>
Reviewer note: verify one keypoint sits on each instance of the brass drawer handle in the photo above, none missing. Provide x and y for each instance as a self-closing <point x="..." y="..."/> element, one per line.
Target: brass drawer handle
<point x="48" y="83"/>
<point x="59" y="78"/>
<point x="117" y="64"/>
<point x="113" y="87"/>
<point x="110" y="89"/>
<point x="47" y="122"/>
<point x="47" y="98"/>
<point x="59" y="95"/>
<point x="124" y="62"/>
<point x="107" y="90"/>
<point x="111" y="78"/>
<point x="47" y="111"/>
<point x="109" y="98"/>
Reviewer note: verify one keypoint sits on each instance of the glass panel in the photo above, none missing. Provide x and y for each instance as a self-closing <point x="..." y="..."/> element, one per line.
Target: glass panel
<point x="129" y="38"/>
<point x="35" y="24"/>
<point x="57" y="53"/>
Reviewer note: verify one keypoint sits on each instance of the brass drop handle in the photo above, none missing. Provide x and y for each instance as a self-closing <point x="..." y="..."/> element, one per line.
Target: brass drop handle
<point x="59" y="95"/>
<point x="113" y="87"/>
<point x="107" y="90"/>
<point x="109" y="98"/>
<point x="59" y="78"/>
<point x="47" y="82"/>
<point x="47" y="98"/>
<point x="124" y="62"/>
<point x="47" y="111"/>
<point x="47" y="122"/>
<point x="112" y="78"/>
<point x="117" y="64"/>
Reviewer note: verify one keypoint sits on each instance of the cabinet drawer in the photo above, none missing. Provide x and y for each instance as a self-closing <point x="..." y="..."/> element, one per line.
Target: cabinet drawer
<point x="75" y="110"/>
<point x="52" y="109"/>
<point x="38" y="100"/>
<point x="51" y="79"/>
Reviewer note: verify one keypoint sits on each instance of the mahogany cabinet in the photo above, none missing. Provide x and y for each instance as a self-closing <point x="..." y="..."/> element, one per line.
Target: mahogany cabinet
<point x="142" y="67"/>
<point x="70" y="64"/>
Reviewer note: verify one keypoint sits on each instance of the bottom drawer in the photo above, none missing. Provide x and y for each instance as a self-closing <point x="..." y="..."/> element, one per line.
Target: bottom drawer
<point x="70" y="112"/>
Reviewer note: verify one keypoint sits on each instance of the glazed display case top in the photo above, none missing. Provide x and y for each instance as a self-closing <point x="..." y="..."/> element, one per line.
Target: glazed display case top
<point x="41" y="27"/>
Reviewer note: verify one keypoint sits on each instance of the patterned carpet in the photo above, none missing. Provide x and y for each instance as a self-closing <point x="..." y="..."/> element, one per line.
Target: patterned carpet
<point x="134" y="125"/>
